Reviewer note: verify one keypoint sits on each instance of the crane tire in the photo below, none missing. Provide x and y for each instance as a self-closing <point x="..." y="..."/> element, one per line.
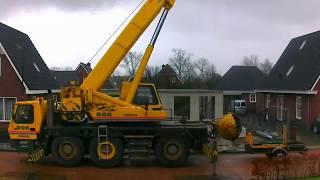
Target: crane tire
<point x="67" y="151"/>
<point x="171" y="151"/>
<point x="111" y="158"/>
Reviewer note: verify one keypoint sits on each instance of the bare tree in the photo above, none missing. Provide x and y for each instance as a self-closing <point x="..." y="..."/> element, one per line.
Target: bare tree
<point x="251" y="60"/>
<point x="266" y="66"/>
<point x="202" y="66"/>
<point x="180" y="61"/>
<point x="131" y="62"/>
<point x="152" y="72"/>
<point x="210" y="73"/>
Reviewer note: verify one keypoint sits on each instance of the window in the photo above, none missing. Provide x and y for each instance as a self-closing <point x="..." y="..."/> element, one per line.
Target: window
<point x="280" y="107"/>
<point x="290" y="70"/>
<point x="268" y="100"/>
<point x="6" y="108"/>
<point x="298" y="107"/>
<point x="303" y="44"/>
<point x="35" y="66"/>
<point x="252" y="97"/>
<point x="24" y="114"/>
<point x="146" y="95"/>
<point x="172" y="80"/>
<point x="206" y="108"/>
<point x="182" y="106"/>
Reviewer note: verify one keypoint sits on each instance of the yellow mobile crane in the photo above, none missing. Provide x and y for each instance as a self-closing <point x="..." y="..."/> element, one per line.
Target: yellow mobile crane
<point x="90" y="123"/>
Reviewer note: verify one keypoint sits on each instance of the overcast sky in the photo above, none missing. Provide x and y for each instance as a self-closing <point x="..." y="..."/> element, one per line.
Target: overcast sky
<point x="67" y="32"/>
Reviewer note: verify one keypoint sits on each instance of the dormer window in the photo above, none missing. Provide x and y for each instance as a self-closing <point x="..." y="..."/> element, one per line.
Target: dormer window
<point x="303" y="44"/>
<point x="36" y="67"/>
<point x="290" y="70"/>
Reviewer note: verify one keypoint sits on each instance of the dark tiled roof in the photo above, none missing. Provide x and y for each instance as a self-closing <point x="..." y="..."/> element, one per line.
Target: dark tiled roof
<point x="241" y="78"/>
<point x="108" y="85"/>
<point x="87" y="67"/>
<point x="26" y="59"/>
<point x="299" y="65"/>
<point x="167" y="70"/>
<point x="64" y="77"/>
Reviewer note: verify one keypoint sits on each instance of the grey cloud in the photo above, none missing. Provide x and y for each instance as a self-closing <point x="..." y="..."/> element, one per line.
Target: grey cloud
<point x="245" y="20"/>
<point x="240" y="26"/>
<point x="10" y="7"/>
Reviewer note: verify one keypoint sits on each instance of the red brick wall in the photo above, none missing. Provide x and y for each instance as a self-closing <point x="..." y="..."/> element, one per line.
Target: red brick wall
<point x="259" y="102"/>
<point x="253" y="106"/>
<point x="314" y="104"/>
<point x="9" y="82"/>
<point x="290" y="104"/>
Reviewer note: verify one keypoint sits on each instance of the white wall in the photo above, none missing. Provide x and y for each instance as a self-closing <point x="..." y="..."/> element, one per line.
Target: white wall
<point x="167" y="98"/>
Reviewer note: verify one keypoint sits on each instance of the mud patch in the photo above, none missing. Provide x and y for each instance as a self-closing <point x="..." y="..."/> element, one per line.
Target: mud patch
<point x="30" y="176"/>
<point x="205" y="178"/>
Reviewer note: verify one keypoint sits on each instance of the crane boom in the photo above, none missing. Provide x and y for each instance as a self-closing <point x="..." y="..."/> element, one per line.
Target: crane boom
<point x="112" y="58"/>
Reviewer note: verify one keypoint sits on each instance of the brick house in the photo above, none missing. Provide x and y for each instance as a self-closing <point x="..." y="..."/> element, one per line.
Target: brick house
<point x="291" y="90"/>
<point x="23" y="73"/>
<point x="78" y="75"/>
<point x="167" y="78"/>
<point x="240" y="82"/>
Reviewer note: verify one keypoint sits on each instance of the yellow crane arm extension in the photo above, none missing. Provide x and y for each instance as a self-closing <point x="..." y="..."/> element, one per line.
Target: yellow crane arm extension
<point x="113" y="57"/>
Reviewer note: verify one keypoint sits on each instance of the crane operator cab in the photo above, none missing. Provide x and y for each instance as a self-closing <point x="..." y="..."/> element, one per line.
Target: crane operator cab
<point x="147" y="98"/>
<point x="27" y="121"/>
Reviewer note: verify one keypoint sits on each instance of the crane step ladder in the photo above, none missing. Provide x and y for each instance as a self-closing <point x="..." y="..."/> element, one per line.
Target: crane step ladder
<point x="139" y="148"/>
<point x="103" y="139"/>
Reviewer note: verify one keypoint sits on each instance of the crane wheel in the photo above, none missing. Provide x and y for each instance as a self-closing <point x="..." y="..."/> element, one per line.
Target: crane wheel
<point x="172" y="151"/>
<point x="67" y="151"/>
<point x="107" y="153"/>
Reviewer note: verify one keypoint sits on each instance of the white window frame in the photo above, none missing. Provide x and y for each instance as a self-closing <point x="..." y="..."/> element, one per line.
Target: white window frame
<point x="280" y="99"/>
<point x="4" y="108"/>
<point x="252" y="97"/>
<point x="299" y="107"/>
<point x="267" y="105"/>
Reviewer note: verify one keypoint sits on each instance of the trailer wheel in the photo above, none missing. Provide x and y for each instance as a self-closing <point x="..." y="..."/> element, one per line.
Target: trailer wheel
<point x="279" y="153"/>
<point x="67" y="151"/>
<point x="171" y="152"/>
<point x="106" y="154"/>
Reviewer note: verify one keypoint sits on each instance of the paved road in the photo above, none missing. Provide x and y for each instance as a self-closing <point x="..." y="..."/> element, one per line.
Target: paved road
<point x="236" y="166"/>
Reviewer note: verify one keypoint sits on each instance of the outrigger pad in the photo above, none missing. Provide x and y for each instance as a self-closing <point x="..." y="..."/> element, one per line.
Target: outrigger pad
<point x="36" y="155"/>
